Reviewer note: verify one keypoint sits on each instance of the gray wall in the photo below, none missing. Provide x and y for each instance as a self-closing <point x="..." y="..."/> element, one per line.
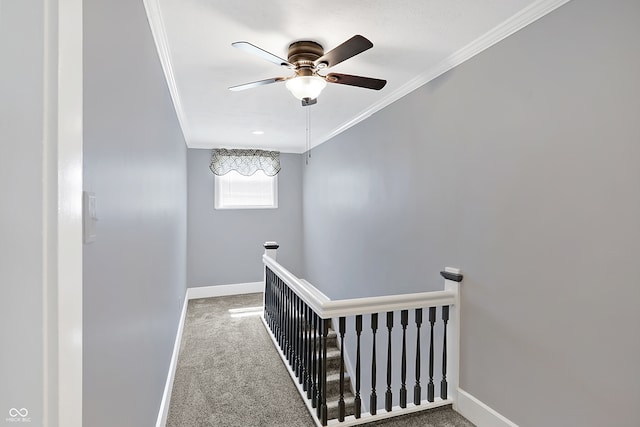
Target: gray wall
<point x="521" y="168"/>
<point x="226" y="246"/>
<point x="135" y="273"/>
<point x="21" y="222"/>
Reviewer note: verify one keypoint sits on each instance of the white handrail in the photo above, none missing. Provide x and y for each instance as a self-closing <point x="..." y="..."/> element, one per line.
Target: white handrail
<point x="326" y="308"/>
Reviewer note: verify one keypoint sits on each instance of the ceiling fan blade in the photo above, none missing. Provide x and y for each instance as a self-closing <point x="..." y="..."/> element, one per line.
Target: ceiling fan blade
<point x="268" y="56"/>
<point x="256" y="84"/>
<point x="365" y="82"/>
<point x="355" y="45"/>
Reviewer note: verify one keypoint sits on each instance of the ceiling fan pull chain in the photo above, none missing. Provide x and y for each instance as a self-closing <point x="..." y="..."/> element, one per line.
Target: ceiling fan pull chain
<point x="309" y="126"/>
<point x="308" y="135"/>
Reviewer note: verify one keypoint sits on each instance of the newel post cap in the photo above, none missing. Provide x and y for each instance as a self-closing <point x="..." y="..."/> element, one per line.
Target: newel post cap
<point x="271" y="245"/>
<point x="450" y="273"/>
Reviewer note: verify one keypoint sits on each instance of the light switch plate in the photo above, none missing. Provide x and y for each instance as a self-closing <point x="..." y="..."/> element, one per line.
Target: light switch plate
<point x="90" y="216"/>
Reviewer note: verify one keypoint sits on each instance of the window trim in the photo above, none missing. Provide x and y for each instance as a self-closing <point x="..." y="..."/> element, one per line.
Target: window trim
<point x="217" y="202"/>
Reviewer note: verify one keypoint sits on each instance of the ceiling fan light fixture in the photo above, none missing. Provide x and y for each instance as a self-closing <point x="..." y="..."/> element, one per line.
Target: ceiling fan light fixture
<point x="306" y="86"/>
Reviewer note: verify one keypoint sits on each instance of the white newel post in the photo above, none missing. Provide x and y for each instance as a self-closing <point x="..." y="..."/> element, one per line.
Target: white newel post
<point x="452" y="279"/>
<point x="271" y="249"/>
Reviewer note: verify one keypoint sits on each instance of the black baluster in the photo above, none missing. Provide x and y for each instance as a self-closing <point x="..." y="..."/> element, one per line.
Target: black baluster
<point x="266" y="294"/>
<point x="301" y="343"/>
<point x="294" y="337"/>
<point x="443" y="383"/>
<point x="373" y="404"/>
<point x="292" y="332"/>
<point x="283" y="315"/>
<point x="290" y="326"/>
<point x="307" y="354"/>
<point x="309" y="349"/>
<point x="311" y="359"/>
<point x="285" y="325"/>
<point x="417" y="390"/>
<point x="325" y="332"/>
<point x="280" y="314"/>
<point x="430" y="386"/>
<point x="271" y="294"/>
<point x="304" y="345"/>
<point x="341" y="409"/>
<point x="388" y="397"/>
<point x="298" y="323"/>
<point x="314" y="362"/>
<point x="357" y="401"/>
<point x="274" y="306"/>
<point x="319" y="371"/>
<point x="404" y="321"/>
<point x="272" y="302"/>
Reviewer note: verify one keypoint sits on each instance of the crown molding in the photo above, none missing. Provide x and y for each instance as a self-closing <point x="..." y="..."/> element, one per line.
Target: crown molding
<point x="158" y="30"/>
<point x="515" y="23"/>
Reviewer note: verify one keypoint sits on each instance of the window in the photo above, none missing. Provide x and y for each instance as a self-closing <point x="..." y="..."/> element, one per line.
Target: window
<point x="235" y="191"/>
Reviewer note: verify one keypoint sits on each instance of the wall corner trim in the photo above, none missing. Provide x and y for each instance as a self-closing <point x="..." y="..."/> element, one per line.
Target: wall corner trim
<point x="224" y="290"/>
<point x="479" y="413"/>
<point x="163" y="413"/>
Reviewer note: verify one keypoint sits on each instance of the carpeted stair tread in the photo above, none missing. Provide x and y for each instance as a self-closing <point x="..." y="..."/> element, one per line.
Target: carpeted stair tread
<point x="332" y="338"/>
<point x="333" y="384"/>
<point x="333" y="353"/>
<point x="335" y="376"/>
<point x="348" y="401"/>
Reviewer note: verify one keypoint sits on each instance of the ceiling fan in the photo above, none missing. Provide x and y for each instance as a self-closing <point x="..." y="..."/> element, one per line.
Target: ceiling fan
<point x="306" y="59"/>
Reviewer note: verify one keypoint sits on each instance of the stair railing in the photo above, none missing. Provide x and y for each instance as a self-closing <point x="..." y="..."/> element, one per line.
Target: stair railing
<point x="298" y="317"/>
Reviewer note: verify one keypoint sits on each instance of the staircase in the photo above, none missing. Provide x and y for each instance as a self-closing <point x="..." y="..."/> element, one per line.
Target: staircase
<point x="297" y="314"/>
<point x="333" y="380"/>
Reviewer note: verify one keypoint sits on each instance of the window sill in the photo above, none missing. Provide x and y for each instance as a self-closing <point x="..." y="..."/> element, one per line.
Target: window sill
<point x="228" y="208"/>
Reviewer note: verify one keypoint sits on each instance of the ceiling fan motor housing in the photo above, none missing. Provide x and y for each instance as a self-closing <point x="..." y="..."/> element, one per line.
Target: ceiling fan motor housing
<point x="303" y="53"/>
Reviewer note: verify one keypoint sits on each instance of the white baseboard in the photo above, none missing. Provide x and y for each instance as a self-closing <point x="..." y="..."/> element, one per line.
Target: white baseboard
<point x="479" y="413"/>
<point x="168" y="387"/>
<point x="224" y="290"/>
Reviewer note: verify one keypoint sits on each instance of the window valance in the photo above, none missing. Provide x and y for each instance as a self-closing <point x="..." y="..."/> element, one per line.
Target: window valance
<point x="246" y="162"/>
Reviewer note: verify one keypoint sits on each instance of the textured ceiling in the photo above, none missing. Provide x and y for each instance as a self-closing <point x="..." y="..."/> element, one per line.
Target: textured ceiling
<point x="414" y="41"/>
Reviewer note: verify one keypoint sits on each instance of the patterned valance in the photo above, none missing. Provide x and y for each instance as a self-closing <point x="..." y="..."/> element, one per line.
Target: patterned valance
<point x="246" y="162"/>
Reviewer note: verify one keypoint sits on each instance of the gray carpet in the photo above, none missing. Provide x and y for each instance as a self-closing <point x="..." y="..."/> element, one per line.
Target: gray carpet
<point x="230" y="374"/>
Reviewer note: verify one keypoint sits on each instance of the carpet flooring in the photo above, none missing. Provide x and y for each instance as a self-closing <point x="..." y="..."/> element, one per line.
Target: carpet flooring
<point x="230" y="374"/>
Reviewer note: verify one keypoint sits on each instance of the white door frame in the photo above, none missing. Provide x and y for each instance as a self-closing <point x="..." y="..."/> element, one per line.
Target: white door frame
<point x="62" y="216"/>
